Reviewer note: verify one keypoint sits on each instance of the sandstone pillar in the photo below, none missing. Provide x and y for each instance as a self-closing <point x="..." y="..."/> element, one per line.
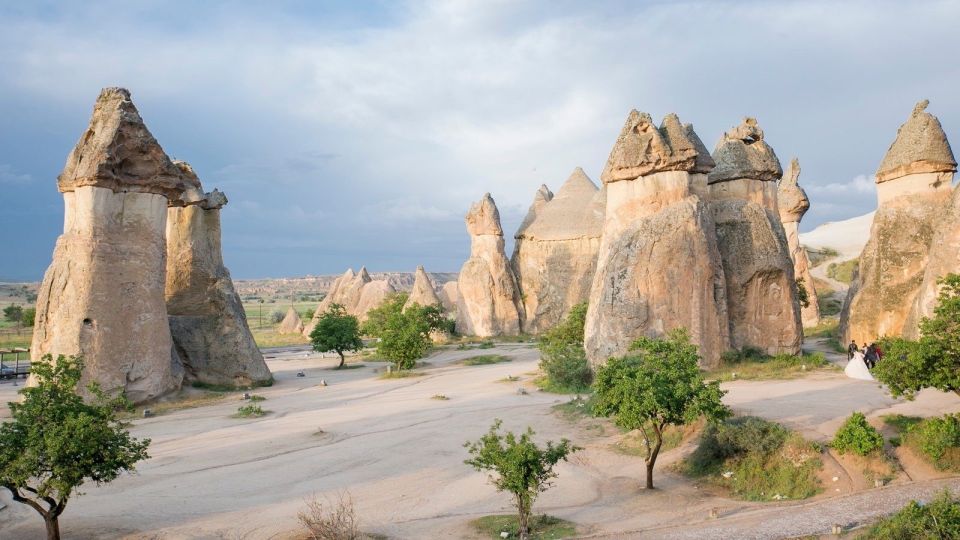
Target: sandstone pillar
<point x="423" y="292"/>
<point x="793" y="204"/>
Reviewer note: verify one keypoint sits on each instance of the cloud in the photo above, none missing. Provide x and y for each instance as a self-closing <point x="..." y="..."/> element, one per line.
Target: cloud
<point x="861" y="184"/>
<point x="405" y="210"/>
<point x="9" y="176"/>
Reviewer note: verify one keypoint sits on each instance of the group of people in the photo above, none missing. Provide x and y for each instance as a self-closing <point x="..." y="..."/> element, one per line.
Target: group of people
<point x="861" y="361"/>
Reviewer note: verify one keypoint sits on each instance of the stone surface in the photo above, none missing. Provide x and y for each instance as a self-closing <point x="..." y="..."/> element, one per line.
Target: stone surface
<point x="793" y="204"/>
<point x="423" y="292"/>
<point x="555" y="253"/>
<point x="489" y="299"/>
<point x="944" y="259"/>
<point x="889" y="293"/>
<point x="334" y="296"/>
<point x="658" y="266"/>
<point x="291" y="323"/>
<point x="921" y="146"/>
<point x="540" y="198"/>
<point x="742" y="153"/>
<point x="450" y="296"/>
<point x="207" y="320"/>
<point x="372" y="294"/>
<point x="761" y="292"/>
<point x="103" y="295"/>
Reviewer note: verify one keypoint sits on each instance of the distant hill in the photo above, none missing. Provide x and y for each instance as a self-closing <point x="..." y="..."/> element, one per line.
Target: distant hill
<point x="847" y="237"/>
<point x="311" y="288"/>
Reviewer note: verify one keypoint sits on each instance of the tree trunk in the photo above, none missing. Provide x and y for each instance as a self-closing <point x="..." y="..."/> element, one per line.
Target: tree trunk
<point x="53" y="527"/>
<point x="342" y="359"/>
<point x="524" y="519"/>
<point x="652" y="457"/>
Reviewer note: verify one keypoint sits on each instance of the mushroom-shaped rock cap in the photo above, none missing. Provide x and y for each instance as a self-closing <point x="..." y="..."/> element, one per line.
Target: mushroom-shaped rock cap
<point x="742" y="153"/>
<point x="791" y="198"/>
<point x="643" y="149"/>
<point x="118" y="152"/>
<point x="540" y="198"/>
<point x="484" y="218"/>
<point x="921" y="146"/>
<point x="575" y="212"/>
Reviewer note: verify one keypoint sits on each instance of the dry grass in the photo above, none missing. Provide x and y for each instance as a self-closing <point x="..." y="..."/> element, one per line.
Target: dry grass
<point x="331" y="519"/>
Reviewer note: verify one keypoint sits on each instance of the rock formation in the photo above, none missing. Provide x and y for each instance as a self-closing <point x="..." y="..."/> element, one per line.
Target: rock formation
<point x="489" y="301"/>
<point x="334" y="296"/>
<point x="763" y="309"/>
<point x="372" y="294"/>
<point x="450" y="297"/>
<point x="291" y="323"/>
<point x="658" y="267"/>
<point x="913" y="193"/>
<point x="944" y="259"/>
<point x="422" y="293"/>
<point x="103" y="295"/>
<point x="793" y="203"/>
<point x="207" y="320"/>
<point x="357" y="293"/>
<point x="555" y="254"/>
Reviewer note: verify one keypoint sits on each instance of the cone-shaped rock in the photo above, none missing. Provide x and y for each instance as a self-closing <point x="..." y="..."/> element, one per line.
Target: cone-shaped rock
<point x="658" y="267"/>
<point x="540" y="198"/>
<point x="334" y="296"/>
<point x="555" y="254"/>
<point x="423" y="292"/>
<point x="450" y="297"/>
<point x="489" y="300"/>
<point x="372" y="294"/>
<point x="103" y="295"/>
<point x="793" y="203"/>
<point x="207" y="320"/>
<point x="763" y="307"/>
<point x="913" y="195"/>
<point x="291" y="323"/>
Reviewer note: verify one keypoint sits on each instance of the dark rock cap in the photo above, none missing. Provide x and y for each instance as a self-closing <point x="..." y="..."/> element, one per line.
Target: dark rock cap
<point x="921" y="146"/>
<point x="742" y="153"/>
<point x="643" y="149"/>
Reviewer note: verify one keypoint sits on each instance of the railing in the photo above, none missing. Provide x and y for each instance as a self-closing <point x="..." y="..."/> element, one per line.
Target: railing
<point x="17" y="366"/>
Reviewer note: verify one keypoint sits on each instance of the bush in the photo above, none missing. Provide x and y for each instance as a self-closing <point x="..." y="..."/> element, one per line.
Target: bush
<point x="844" y="271"/>
<point x="248" y="411"/>
<point x="938" y="439"/>
<point x="562" y="357"/>
<point x="276" y="316"/>
<point x="940" y="518"/>
<point x="858" y="436"/>
<point x="331" y="520"/>
<point x="28" y="317"/>
<point x="756" y="459"/>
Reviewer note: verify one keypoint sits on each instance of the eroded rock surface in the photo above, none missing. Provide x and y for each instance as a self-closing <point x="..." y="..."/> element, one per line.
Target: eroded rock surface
<point x="913" y="192"/>
<point x="291" y="323"/>
<point x="658" y="267"/>
<point x="793" y="204"/>
<point x="761" y="292"/>
<point x="555" y="254"/>
<point x="489" y="299"/>
<point x="423" y="292"/>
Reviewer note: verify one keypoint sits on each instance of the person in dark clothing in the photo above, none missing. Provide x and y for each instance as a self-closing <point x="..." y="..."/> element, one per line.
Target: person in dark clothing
<point x="852" y="349"/>
<point x="870" y="356"/>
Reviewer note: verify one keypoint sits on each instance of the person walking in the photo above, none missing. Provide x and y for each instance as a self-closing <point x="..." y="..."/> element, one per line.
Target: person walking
<point x="852" y="349"/>
<point x="870" y="356"/>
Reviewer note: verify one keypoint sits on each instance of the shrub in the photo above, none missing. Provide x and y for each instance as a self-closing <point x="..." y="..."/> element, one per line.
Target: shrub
<point x="247" y="411"/>
<point x="940" y="518"/>
<point x="858" y="436"/>
<point x="843" y="271"/>
<point x="562" y="357"/>
<point x="938" y="439"/>
<point x="486" y="345"/>
<point x="28" y="317"/>
<point x="331" y="520"/>
<point x="256" y="397"/>
<point x="485" y="359"/>
<point x="276" y="316"/>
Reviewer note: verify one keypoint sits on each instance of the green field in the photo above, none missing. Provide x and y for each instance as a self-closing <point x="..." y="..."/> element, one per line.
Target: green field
<point x="265" y="330"/>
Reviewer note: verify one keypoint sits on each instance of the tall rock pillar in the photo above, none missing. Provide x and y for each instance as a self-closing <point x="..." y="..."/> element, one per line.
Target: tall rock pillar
<point x="761" y="289"/>
<point x="103" y="295"/>
<point x="913" y="195"/>
<point x="793" y="204"/>
<point x="658" y="267"/>
<point x="207" y="321"/>
<point x="489" y="301"/>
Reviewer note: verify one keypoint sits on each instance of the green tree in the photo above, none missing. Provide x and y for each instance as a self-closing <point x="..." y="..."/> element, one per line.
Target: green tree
<point x="934" y="360"/>
<point x="28" y="317"/>
<point x="858" y="436"/>
<point x="802" y="295"/>
<point x="13" y="313"/>
<point x="55" y="441"/>
<point x="336" y="331"/>
<point x="562" y="356"/>
<point x="404" y="334"/>
<point x="521" y="467"/>
<point x="656" y="385"/>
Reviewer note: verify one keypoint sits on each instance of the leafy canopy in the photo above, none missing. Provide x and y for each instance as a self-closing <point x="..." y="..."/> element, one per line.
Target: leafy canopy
<point x="404" y="334"/>
<point x="337" y="331"/>
<point x="562" y="356"/>
<point x="934" y="360"/>
<point x="858" y="436"/>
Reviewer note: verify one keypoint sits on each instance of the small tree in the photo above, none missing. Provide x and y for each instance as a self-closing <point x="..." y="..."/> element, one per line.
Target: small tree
<point x="336" y="331"/>
<point x="404" y="335"/>
<point x="28" y="317"/>
<point x="562" y="357"/>
<point x="857" y="435"/>
<point x="55" y="441"/>
<point x="934" y="360"/>
<point x="520" y="466"/>
<point x="13" y="313"/>
<point x="658" y="385"/>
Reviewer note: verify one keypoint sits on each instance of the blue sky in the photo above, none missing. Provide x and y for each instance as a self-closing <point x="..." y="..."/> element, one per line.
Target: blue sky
<point x="358" y="133"/>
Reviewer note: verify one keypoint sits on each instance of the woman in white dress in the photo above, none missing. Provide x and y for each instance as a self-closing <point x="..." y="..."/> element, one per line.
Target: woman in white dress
<point x="857" y="368"/>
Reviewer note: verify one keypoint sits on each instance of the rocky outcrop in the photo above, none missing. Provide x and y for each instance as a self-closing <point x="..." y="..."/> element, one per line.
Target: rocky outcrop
<point x="334" y="296"/>
<point x="944" y="259"/>
<point x="761" y="291"/>
<point x="555" y="254"/>
<point x="658" y="267"/>
<point x="913" y="193"/>
<point x="291" y="323"/>
<point x="793" y="204"/>
<point x="207" y="320"/>
<point x="423" y="292"/>
<point x="450" y="297"/>
<point x="357" y="293"/>
<point x="103" y="295"/>
<point x="372" y="294"/>
<point x="489" y="300"/>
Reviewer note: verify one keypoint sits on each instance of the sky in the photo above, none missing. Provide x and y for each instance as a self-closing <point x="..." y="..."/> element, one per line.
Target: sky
<point x="358" y="133"/>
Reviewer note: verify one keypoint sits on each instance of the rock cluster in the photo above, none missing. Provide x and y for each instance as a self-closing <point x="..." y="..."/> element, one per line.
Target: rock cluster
<point x="103" y="296"/>
<point x="357" y="293"/>
<point x="291" y="323"/>
<point x="555" y="254"/>
<point x="488" y="299"/>
<point x="793" y="204"/>
<point x="914" y="236"/>
<point x="422" y="293"/>
<point x="658" y="265"/>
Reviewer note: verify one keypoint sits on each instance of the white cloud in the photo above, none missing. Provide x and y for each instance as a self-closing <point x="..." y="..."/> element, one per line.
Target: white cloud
<point x="405" y="210"/>
<point x="9" y="176"/>
<point x="860" y="185"/>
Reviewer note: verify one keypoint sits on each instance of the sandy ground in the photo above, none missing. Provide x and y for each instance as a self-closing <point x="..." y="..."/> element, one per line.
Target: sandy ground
<point x="400" y="455"/>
